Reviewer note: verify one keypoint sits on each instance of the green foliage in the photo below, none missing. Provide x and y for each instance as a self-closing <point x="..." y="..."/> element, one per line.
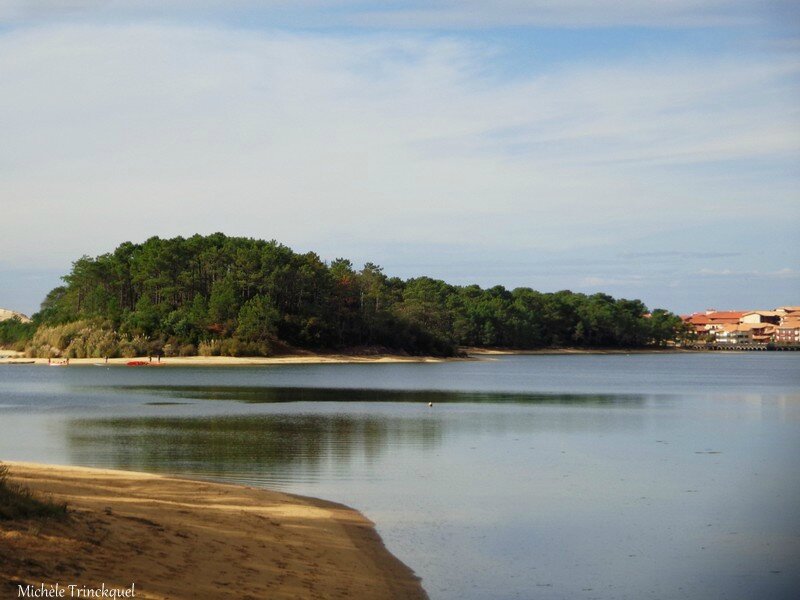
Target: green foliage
<point x="17" y="502"/>
<point x="258" y="320"/>
<point x="222" y="304"/>
<point x="665" y="327"/>
<point x="15" y="333"/>
<point x="232" y="296"/>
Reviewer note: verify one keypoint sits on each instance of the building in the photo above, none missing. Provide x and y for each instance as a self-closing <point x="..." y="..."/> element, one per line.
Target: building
<point x="761" y="333"/>
<point x="710" y="321"/>
<point x="763" y="316"/>
<point x="725" y="317"/>
<point x="788" y="332"/>
<point x="788" y="312"/>
<point x="699" y="322"/>
<point x="751" y="327"/>
<point x="731" y="335"/>
<point x="745" y="333"/>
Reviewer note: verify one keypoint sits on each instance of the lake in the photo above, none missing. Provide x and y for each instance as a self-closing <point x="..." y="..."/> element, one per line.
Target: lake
<point x="547" y="476"/>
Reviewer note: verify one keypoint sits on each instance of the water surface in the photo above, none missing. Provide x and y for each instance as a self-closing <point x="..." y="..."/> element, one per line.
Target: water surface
<point x="641" y="476"/>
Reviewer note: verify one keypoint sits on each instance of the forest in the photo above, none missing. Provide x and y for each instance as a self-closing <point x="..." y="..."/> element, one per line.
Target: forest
<point x="220" y="295"/>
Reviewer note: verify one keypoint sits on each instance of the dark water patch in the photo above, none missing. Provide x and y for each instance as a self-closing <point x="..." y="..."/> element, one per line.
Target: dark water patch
<point x="169" y="403"/>
<point x="268" y="394"/>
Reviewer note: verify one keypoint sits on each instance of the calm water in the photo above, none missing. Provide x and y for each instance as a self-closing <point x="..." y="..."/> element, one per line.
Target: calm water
<point x="642" y="476"/>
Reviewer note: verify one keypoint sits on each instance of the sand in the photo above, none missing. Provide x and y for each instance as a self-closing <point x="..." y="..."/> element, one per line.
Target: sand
<point x="179" y="538"/>
<point x="229" y="361"/>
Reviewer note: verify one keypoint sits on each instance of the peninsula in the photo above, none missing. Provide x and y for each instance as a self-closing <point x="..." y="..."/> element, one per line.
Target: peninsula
<point x="229" y="296"/>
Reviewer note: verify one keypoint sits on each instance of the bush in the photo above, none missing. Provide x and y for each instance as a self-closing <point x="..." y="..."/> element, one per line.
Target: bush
<point x="17" y="502"/>
<point x="212" y="348"/>
<point x="188" y="350"/>
<point x="79" y="339"/>
<point x="15" y="333"/>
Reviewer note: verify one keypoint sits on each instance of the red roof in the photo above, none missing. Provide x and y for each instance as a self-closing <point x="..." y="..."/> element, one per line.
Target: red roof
<point x="727" y="314"/>
<point x="698" y="320"/>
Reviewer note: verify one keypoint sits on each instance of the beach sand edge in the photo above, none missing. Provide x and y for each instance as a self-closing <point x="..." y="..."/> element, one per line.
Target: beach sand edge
<point x="175" y="537"/>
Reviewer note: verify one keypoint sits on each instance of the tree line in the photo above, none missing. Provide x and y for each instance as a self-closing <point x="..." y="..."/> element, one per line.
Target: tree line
<point x="231" y="295"/>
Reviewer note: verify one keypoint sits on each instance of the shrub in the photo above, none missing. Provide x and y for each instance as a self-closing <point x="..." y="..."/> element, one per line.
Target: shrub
<point x="212" y="348"/>
<point x="188" y="350"/>
<point x="13" y="332"/>
<point x="79" y="339"/>
<point x="17" y="502"/>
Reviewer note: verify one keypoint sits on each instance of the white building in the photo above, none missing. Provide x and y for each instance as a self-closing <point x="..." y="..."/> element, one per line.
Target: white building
<point x="733" y="334"/>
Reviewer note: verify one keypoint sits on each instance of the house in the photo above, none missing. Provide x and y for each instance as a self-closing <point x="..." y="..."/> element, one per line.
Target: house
<point x="763" y="316"/>
<point x="788" y="312"/>
<point x="725" y="317"/>
<point x="745" y="333"/>
<point x="761" y="333"/>
<point x="729" y="334"/>
<point x="788" y="332"/>
<point x="712" y="320"/>
<point x="699" y="322"/>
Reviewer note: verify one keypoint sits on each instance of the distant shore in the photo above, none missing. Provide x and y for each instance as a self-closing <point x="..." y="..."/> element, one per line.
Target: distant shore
<point x="482" y="352"/>
<point x="180" y="538"/>
<point x="310" y="358"/>
<point x="227" y="361"/>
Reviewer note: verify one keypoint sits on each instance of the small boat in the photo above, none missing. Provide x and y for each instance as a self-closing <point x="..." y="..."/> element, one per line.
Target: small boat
<point x="136" y="363"/>
<point x="63" y="363"/>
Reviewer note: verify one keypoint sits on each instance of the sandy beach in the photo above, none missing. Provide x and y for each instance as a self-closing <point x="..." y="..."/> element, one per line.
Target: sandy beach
<point x="12" y="357"/>
<point x="179" y="538"/>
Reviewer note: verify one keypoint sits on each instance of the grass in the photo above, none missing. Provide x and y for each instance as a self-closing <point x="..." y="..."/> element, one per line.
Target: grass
<point x="18" y="502"/>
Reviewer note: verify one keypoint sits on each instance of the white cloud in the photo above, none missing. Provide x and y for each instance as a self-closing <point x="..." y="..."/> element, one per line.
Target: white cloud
<point x="415" y="14"/>
<point x="335" y="141"/>
<point x="573" y="13"/>
<point x="606" y="282"/>
<point x="785" y="273"/>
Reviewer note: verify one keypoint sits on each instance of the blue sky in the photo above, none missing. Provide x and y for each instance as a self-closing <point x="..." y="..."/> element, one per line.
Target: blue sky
<point x="643" y="149"/>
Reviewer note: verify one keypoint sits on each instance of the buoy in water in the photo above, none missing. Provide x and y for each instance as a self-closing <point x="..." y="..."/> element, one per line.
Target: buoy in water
<point x="430" y="403"/>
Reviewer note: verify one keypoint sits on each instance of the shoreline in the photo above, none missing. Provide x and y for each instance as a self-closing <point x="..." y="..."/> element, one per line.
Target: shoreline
<point x="233" y="361"/>
<point x="568" y="351"/>
<point x="185" y="538"/>
<point x="10" y="357"/>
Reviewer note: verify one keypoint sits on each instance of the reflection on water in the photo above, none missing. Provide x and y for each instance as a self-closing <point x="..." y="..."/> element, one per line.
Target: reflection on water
<point x="282" y="447"/>
<point x="263" y="394"/>
<point x="262" y="449"/>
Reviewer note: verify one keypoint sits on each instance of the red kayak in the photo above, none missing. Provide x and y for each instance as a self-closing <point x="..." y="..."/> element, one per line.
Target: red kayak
<point x="137" y="363"/>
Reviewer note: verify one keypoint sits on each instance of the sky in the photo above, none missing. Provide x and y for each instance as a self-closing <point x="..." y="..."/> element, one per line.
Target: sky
<point x="643" y="149"/>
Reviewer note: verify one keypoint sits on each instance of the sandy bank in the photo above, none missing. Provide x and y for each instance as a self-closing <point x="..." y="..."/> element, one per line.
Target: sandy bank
<point x="178" y="538"/>
<point x="233" y="361"/>
<point x="11" y="357"/>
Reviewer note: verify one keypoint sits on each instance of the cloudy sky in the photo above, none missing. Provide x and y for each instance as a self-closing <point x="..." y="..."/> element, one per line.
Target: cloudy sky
<point x="645" y="149"/>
